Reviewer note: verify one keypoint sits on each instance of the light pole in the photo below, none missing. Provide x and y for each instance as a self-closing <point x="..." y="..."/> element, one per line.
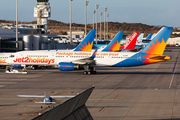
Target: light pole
<point x="93" y="18"/>
<point x="96" y="22"/>
<point x="86" y="3"/>
<point x="105" y="9"/>
<point x="16" y="25"/>
<point x="0" y="45"/>
<point x="107" y="25"/>
<point x="100" y="24"/>
<point x="70" y="23"/>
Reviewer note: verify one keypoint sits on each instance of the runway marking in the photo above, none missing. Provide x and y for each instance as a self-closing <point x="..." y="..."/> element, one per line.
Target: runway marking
<point x="2" y="85"/>
<point x="12" y="79"/>
<point x="174" y="70"/>
<point x="116" y="96"/>
<point x="62" y="92"/>
<point x="25" y="105"/>
<point x="8" y="82"/>
<point x="31" y="114"/>
<point x="100" y="99"/>
<point x="102" y="109"/>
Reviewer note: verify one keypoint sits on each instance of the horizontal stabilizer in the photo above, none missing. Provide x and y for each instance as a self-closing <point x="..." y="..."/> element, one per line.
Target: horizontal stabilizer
<point x="162" y="57"/>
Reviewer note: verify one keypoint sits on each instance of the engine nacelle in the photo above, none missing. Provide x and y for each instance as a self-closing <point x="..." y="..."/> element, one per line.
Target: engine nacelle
<point x="63" y="66"/>
<point x="18" y="66"/>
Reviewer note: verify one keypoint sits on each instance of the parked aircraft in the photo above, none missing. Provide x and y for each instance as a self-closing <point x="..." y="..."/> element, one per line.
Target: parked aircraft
<point x="139" y="39"/>
<point x="46" y="99"/>
<point x="147" y="40"/>
<point x="149" y="36"/>
<point x="131" y="42"/>
<point x="85" y="45"/>
<point x="72" y="60"/>
<point x="115" y="46"/>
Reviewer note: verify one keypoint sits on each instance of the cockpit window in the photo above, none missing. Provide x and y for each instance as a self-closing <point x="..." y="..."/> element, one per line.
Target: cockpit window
<point x="11" y="56"/>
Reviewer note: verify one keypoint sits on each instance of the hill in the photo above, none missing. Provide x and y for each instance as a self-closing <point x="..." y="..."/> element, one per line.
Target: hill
<point x="58" y="27"/>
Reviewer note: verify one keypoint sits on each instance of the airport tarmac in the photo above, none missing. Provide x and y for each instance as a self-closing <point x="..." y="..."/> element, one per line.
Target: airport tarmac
<point x="150" y="92"/>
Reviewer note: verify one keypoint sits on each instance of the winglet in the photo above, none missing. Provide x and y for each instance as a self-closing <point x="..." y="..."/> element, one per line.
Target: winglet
<point x="94" y="54"/>
<point x="87" y="43"/>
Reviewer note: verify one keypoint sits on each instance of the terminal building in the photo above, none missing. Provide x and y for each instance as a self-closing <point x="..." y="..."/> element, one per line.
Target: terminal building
<point x="36" y="36"/>
<point x="35" y="41"/>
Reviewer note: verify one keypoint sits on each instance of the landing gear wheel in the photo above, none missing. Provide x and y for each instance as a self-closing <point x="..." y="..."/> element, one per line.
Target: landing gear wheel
<point x="85" y="72"/>
<point x="94" y="72"/>
<point x="89" y="72"/>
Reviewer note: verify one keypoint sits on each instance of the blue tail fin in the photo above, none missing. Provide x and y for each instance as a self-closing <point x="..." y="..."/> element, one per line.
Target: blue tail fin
<point x="87" y="43"/>
<point x="139" y="39"/>
<point x="114" y="45"/>
<point x="158" y="43"/>
<point x="149" y="36"/>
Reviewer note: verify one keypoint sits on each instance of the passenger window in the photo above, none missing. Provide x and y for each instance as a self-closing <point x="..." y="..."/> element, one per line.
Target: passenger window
<point x="11" y="56"/>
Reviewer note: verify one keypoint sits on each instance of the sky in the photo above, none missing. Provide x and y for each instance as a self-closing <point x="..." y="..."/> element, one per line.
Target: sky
<point x="150" y="12"/>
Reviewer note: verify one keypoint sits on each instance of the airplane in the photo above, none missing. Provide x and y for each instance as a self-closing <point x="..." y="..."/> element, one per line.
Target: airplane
<point x="147" y="40"/>
<point x="89" y="61"/>
<point x="139" y="39"/>
<point x="46" y="99"/>
<point x="115" y="46"/>
<point x="131" y="42"/>
<point x="149" y="36"/>
<point x="153" y="36"/>
<point x="85" y="45"/>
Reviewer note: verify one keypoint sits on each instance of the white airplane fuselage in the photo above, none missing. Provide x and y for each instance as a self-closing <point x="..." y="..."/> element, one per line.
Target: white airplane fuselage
<point x="55" y="57"/>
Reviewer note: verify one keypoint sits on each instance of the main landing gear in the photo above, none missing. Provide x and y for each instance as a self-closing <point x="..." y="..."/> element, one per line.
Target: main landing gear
<point x="89" y="70"/>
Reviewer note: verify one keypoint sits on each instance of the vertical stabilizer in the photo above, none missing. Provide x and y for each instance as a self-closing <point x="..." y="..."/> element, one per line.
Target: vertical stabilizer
<point x="87" y="43"/>
<point x="158" y="43"/>
<point x="131" y="43"/>
<point x="149" y="36"/>
<point x="139" y="39"/>
<point x="114" y="45"/>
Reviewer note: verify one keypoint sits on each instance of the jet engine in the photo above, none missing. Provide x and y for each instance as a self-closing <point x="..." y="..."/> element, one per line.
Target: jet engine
<point x="18" y="66"/>
<point x="64" y="66"/>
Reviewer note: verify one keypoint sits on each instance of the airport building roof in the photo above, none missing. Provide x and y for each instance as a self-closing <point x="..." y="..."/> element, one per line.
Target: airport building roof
<point x="8" y="34"/>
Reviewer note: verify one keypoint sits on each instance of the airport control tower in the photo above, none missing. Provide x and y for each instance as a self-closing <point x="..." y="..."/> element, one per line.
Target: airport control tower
<point x="42" y="12"/>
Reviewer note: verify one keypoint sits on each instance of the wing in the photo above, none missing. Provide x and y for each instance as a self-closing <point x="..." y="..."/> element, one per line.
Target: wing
<point x="39" y="96"/>
<point x="46" y="102"/>
<point x="89" y="60"/>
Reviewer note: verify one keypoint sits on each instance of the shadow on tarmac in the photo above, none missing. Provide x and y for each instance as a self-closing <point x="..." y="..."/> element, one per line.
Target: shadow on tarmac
<point x="166" y="119"/>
